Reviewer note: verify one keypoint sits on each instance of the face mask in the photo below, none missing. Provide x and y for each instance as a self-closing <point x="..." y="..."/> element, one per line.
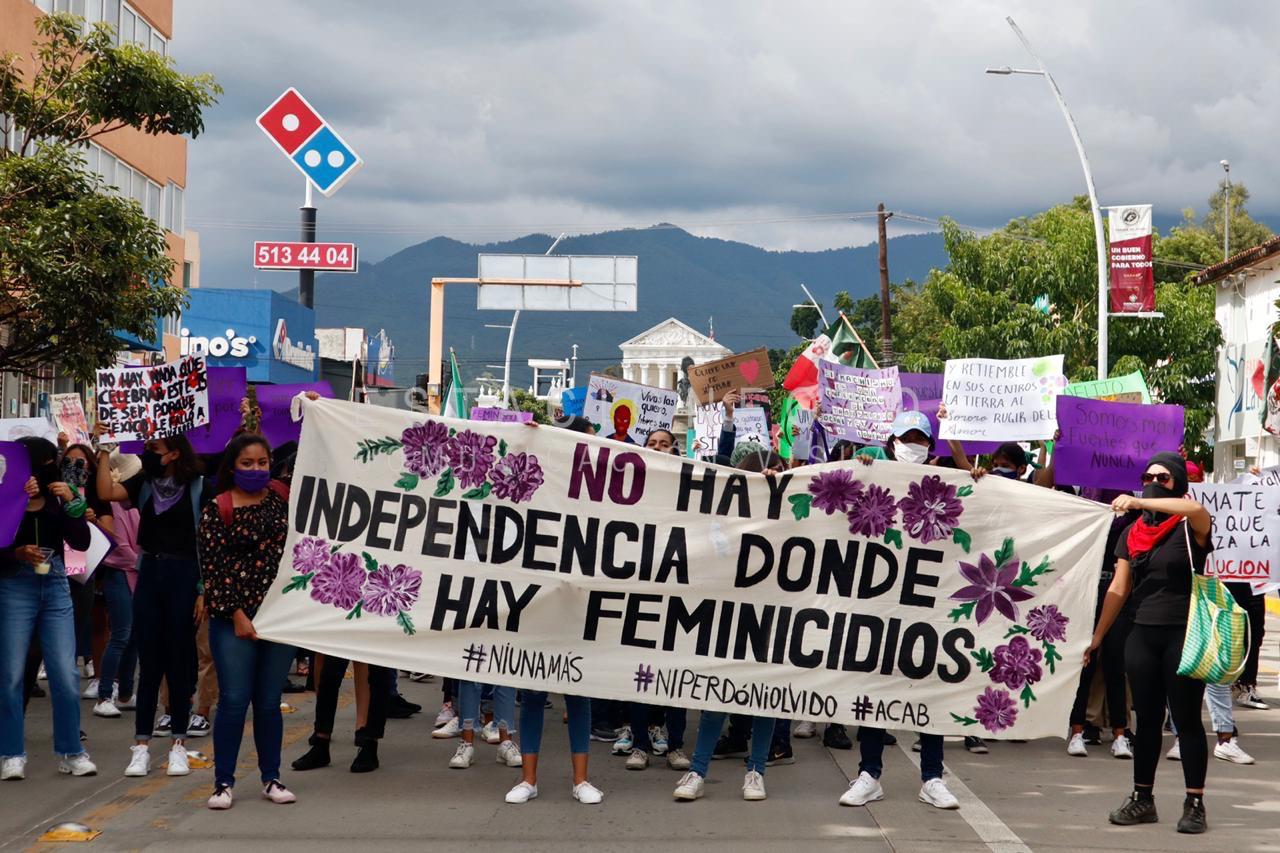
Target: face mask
<point x="152" y="464"/>
<point x="916" y="454"/>
<point x="251" y="480"/>
<point x="74" y="473"/>
<point x="47" y="474"/>
<point x="1155" y="491"/>
<point x="1007" y="473"/>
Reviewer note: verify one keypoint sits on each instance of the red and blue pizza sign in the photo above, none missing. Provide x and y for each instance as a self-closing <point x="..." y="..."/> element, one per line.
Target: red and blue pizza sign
<point x="309" y="142"/>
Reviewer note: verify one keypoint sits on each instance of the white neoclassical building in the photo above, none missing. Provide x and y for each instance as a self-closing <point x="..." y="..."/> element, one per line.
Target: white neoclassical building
<point x="653" y="357"/>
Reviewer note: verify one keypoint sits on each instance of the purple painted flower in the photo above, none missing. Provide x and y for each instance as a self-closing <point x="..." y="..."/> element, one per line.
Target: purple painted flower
<point x="834" y="491"/>
<point x="991" y="586"/>
<point x="516" y="477"/>
<point x="340" y="582"/>
<point x="872" y="512"/>
<point x="392" y="589"/>
<point x="470" y="455"/>
<point x="930" y="510"/>
<point x="1017" y="664"/>
<point x="424" y="447"/>
<point x="996" y="710"/>
<point x="310" y="555"/>
<point x="1047" y="623"/>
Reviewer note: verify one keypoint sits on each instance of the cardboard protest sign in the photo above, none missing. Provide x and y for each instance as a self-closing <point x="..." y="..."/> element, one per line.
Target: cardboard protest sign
<point x="12" y="429"/>
<point x="278" y="425"/>
<point x="1107" y="445"/>
<point x="751" y="423"/>
<point x="1246" y="530"/>
<point x="227" y="387"/>
<point x="884" y="595"/>
<point x="711" y="381"/>
<point x="68" y="415"/>
<point x="991" y="399"/>
<point x="627" y="411"/>
<point x="858" y="404"/>
<point x="15" y="470"/>
<point x="1130" y="388"/>
<point x="140" y="403"/>
<point x="506" y="416"/>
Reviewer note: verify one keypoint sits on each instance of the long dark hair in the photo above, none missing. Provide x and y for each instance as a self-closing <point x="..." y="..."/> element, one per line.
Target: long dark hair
<point x="236" y="446"/>
<point x="91" y="472"/>
<point x="188" y="466"/>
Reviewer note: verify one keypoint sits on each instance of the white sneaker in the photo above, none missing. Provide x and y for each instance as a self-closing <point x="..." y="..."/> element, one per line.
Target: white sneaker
<point x="935" y="793"/>
<point x="690" y="787"/>
<point x="805" y="729"/>
<point x="463" y="756"/>
<point x="42" y="675"/>
<point x="106" y="708"/>
<point x="278" y="794"/>
<point x="446" y="714"/>
<point x="1121" y="748"/>
<point x="490" y="733"/>
<point x="452" y="728"/>
<point x="1076" y="746"/>
<point x="587" y="794"/>
<point x="178" y="764"/>
<point x="220" y="799"/>
<point x="753" y="786"/>
<point x="865" y="789"/>
<point x="677" y="760"/>
<point x="622" y="746"/>
<point x="78" y="765"/>
<point x="658" y="740"/>
<point x="13" y="768"/>
<point x="88" y="668"/>
<point x="1230" y="751"/>
<point x="509" y="754"/>
<point x="90" y="692"/>
<point x="139" y="760"/>
<point x="124" y="704"/>
<point x="637" y="760"/>
<point x="1175" y="752"/>
<point x="522" y="793"/>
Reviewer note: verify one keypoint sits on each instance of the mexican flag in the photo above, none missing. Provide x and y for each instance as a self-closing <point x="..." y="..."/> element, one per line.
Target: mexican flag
<point x="804" y="373"/>
<point x="848" y="349"/>
<point x="455" y="403"/>
<point x="1269" y="372"/>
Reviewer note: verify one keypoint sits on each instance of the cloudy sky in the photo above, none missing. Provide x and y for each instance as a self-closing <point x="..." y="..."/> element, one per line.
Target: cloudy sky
<point x="754" y="121"/>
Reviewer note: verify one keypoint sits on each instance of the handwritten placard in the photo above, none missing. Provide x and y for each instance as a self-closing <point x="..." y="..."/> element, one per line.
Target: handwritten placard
<point x="153" y="402"/>
<point x="506" y="416"/>
<point x="711" y="381"/>
<point x="858" y="404"/>
<point x="1246" y="529"/>
<point x="1107" y="445"/>
<point x="1130" y="388"/>
<point x="628" y="411"/>
<point x="991" y="399"/>
<point x="68" y="414"/>
<point x="751" y="423"/>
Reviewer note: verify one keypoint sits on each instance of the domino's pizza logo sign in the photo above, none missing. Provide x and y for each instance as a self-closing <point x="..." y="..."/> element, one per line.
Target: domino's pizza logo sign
<point x="291" y="352"/>
<point x="309" y="142"/>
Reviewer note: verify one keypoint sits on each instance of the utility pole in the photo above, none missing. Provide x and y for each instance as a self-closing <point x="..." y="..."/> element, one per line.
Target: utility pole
<point x="307" y="278"/>
<point x="1226" y="211"/>
<point x="886" y="336"/>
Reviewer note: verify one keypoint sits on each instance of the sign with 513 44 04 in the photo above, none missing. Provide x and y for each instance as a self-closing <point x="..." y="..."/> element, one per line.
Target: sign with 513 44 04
<point x="329" y="257"/>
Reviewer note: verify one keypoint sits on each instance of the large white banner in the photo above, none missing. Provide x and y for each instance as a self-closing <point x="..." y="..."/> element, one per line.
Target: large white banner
<point x="891" y="594"/>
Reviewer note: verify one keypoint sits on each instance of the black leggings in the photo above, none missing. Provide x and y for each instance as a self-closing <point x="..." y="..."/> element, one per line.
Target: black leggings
<point x="1151" y="656"/>
<point x="1256" y="607"/>
<point x="1111" y="658"/>
<point x="327" y="687"/>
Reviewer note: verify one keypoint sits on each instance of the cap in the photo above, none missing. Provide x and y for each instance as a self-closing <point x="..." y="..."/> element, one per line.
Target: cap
<point x="907" y="421"/>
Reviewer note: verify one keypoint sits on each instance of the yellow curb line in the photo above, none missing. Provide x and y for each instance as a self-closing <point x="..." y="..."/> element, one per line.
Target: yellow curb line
<point x="1273" y="606"/>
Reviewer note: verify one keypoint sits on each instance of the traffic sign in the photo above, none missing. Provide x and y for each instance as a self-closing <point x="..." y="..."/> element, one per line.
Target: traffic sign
<point x="310" y="142"/>
<point x="326" y="257"/>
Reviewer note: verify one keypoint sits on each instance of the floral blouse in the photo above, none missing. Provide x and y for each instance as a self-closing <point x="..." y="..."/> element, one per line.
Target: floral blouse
<point x="239" y="564"/>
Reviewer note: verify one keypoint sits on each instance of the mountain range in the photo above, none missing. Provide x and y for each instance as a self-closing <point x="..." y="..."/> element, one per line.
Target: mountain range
<point x="746" y="291"/>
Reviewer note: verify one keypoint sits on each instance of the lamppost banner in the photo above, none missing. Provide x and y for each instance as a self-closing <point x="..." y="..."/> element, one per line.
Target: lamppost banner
<point x="1132" y="281"/>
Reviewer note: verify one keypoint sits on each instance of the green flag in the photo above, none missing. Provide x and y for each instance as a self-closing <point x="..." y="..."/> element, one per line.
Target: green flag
<point x="455" y="404"/>
<point x="846" y="347"/>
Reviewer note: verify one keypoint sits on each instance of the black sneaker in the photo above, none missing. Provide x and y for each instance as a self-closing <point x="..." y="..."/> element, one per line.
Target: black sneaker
<point x="1193" y="821"/>
<point x="836" y="737"/>
<point x="976" y="745"/>
<point x="1136" y="810"/>
<point x="1092" y="735"/>
<point x="400" y="708"/>
<point x="603" y="734"/>
<point x="780" y="753"/>
<point x="317" y="756"/>
<point x="729" y="748"/>
<point x="890" y="739"/>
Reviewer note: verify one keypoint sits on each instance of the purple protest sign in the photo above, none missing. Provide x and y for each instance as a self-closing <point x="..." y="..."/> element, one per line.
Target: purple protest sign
<point x="1107" y="445"/>
<point x="278" y="425"/>
<point x="491" y="413"/>
<point x="917" y="387"/>
<point x="15" y="470"/>
<point x="858" y="404"/>
<point x="226" y="389"/>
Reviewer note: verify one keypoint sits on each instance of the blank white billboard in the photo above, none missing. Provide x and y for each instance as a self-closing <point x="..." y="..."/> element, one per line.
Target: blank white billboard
<point x="608" y="283"/>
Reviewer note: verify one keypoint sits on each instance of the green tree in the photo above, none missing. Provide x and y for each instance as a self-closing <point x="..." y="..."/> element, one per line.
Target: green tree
<point x="805" y="320"/>
<point x="523" y="401"/>
<point x="79" y="262"/>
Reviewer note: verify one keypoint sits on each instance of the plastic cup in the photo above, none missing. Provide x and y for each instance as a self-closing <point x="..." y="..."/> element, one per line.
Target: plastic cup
<point x="44" y="566"/>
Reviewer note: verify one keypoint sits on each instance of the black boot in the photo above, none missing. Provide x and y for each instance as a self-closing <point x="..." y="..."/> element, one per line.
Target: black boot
<point x="366" y="760"/>
<point x="1138" y="808"/>
<point x="836" y="737"/>
<point x="1193" y="820"/>
<point x="316" y="756"/>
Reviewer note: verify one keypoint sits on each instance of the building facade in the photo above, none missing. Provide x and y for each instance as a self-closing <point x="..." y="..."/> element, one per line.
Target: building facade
<point x="654" y="356"/>
<point x="270" y="335"/>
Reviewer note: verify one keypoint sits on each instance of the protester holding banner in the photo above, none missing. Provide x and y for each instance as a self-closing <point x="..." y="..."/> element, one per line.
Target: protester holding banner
<point x="170" y="493"/>
<point x="1154" y="560"/>
<point x="35" y="597"/>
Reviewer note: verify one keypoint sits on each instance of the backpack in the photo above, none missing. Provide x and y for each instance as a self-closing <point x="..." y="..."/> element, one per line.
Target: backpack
<point x="226" y="508"/>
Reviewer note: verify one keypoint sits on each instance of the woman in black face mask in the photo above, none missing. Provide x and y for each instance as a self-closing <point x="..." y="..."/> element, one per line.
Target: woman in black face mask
<point x="1154" y="560"/>
<point x="168" y="604"/>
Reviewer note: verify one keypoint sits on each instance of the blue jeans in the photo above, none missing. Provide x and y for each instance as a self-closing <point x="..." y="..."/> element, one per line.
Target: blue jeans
<point x="31" y="603"/>
<point x="248" y="671"/>
<point x="533" y="705"/>
<point x="871" y="745"/>
<point x="504" y="705"/>
<point x="709" y="726"/>
<point x="120" y="658"/>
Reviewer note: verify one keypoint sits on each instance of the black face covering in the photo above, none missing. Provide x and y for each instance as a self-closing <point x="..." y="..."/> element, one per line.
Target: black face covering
<point x="47" y="474"/>
<point x="152" y="464"/>
<point x="1177" y="468"/>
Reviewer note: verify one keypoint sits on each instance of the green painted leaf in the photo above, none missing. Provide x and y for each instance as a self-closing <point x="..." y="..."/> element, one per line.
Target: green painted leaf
<point x="1005" y="552"/>
<point x="1028" y="575"/>
<point x="893" y="537"/>
<point x="298" y="582"/>
<point x="800" y="505"/>
<point x="964" y="491"/>
<point x="964" y="611"/>
<point x="1016" y="629"/>
<point x="355" y="611"/>
<point x="444" y="484"/>
<point x="1051" y="657"/>
<point x="502" y="447"/>
<point x="964" y="721"/>
<point x="406" y="623"/>
<point x="479" y="493"/>
<point x="985" y="661"/>
<point x="336" y="548"/>
<point x="370" y="564"/>
<point x="1027" y="696"/>
<point x="408" y="481"/>
<point x="962" y="539"/>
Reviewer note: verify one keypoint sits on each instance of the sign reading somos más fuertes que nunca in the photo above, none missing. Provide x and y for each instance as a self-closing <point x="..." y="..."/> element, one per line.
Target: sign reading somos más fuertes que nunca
<point x="891" y="594"/>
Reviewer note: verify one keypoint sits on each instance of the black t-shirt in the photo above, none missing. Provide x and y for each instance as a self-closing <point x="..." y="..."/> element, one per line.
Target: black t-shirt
<point x="172" y="532"/>
<point x="1162" y="577"/>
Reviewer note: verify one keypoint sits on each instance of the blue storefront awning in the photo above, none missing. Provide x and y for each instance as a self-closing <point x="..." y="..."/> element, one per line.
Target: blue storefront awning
<point x="130" y="342"/>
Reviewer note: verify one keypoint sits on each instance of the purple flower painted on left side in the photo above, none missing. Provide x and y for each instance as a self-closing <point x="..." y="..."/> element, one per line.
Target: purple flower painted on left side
<point x="340" y="582"/>
<point x="392" y="590"/>
<point x="872" y="512"/>
<point x="424" y="446"/>
<point x="310" y="555"/>
<point x="1017" y="664"/>
<point x="931" y="509"/>
<point x="991" y="587"/>
<point x="470" y="455"/>
<point x="1047" y="624"/>
<point x="996" y="710"/>
<point x="516" y="477"/>
<point x="834" y="491"/>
